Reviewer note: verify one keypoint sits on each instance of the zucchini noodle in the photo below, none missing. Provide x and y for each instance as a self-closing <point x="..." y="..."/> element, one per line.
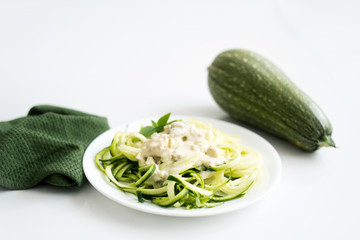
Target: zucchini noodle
<point x="187" y="164"/>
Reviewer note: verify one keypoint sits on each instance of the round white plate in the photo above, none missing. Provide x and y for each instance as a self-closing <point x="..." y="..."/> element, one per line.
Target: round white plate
<point x="271" y="170"/>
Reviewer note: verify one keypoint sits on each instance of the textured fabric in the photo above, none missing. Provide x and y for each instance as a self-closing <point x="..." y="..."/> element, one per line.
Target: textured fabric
<point x="46" y="146"/>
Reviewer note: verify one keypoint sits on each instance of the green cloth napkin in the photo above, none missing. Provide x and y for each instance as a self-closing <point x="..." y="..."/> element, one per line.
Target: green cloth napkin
<point x="46" y="146"/>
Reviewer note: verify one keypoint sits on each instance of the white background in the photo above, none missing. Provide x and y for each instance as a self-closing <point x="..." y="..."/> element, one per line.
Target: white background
<point x="128" y="60"/>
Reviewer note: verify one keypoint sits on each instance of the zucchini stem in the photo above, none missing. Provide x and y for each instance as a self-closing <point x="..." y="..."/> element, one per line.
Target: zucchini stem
<point x="327" y="141"/>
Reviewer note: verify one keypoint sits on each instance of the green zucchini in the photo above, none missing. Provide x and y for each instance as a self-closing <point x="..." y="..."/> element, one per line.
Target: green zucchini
<point x="147" y="175"/>
<point x="255" y="91"/>
<point x="166" y="201"/>
<point x="195" y="189"/>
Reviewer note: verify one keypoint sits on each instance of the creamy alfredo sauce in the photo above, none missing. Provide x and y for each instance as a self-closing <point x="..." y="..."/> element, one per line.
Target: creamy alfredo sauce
<point x="173" y="147"/>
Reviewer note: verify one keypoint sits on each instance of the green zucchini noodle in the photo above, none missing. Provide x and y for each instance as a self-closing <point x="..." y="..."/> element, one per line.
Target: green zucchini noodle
<point x="226" y="170"/>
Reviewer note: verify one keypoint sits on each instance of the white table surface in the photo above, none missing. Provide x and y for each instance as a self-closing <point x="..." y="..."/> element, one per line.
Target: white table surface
<point x="128" y="60"/>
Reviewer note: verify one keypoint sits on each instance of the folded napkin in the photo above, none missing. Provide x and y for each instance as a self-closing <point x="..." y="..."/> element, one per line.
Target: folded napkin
<point x="46" y="146"/>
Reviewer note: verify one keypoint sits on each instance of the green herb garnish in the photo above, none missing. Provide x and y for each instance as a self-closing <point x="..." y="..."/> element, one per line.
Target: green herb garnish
<point x="156" y="126"/>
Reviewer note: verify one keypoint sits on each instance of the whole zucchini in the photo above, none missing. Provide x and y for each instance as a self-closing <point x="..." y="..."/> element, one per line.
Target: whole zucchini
<point x="253" y="90"/>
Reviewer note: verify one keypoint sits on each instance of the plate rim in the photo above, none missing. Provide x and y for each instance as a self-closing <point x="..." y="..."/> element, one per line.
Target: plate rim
<point x="90" y="166"/>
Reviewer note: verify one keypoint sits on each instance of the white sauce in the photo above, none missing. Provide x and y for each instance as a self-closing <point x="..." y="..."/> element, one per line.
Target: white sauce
<point x="179" y="141"/>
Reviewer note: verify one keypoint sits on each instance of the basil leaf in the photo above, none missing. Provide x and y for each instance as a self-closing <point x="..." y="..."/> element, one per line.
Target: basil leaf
<point x="154" y="124"/>
<point x="173" y="122"/>
<point x="159" y="129"/>
<point x="147" y="131"/>
<point x="163" y="120"/>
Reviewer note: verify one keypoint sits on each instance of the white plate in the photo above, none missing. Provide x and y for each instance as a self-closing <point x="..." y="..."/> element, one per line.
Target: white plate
<point x="271" y="171"/>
